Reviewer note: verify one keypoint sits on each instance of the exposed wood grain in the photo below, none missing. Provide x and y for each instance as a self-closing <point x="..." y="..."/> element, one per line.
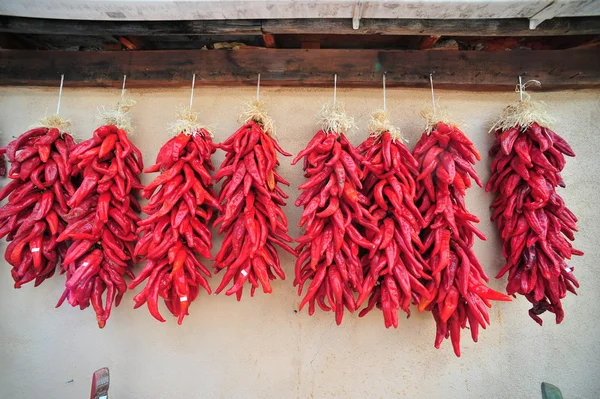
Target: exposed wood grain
<point x="310" y="44"/>
<point x="112" y="47"/>
<point x="432" y="27"/>
<point x="556" y="69"/>
<point x="127" y="28"/>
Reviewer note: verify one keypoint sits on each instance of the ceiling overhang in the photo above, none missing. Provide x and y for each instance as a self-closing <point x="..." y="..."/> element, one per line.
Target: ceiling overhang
<point x="170" y="10"/>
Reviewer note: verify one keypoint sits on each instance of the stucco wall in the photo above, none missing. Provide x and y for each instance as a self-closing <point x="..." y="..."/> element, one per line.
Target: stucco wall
<point x="262" y="348"/>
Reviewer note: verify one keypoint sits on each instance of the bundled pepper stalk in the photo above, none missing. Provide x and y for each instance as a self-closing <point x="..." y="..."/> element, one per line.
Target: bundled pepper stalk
<point x="41" y="185"/>
<point x="393" y="267"/>
<point x="534" y="223"/>
<point x="252" y="219"/>
<point x="177" y="226"/>
<point x="334" y="212"/>
<point x="458" y="293"/>
<point x="101" y="222"/>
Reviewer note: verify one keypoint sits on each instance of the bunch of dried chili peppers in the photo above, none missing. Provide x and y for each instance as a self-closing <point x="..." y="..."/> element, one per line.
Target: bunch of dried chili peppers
<point x="177" y="226"/>
<point x="393" y="268"/>
<point x="334" y="212"/>
<point x="101" y="222"/>
<point x="37" y="202"/>
<point x="252" y="219"/>
<point x="534" y="223"/>
<point x="458" y="293"/>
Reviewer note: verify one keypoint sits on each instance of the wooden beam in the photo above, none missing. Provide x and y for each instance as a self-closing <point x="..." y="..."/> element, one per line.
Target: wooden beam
<point x="128" y="28"/>
<point x="436" y="27"/>
<point x="431" y="27"/>
<point x="556" y="69"/>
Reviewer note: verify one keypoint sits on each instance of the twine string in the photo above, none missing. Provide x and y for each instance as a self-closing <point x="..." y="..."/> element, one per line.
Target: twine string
<point x="524" y="112"/>
<point x="521" y="88"/>
<point x="62" y="79"/>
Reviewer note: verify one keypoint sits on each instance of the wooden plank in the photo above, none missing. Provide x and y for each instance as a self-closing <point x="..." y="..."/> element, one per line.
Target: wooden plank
<point x="556" y="69"/>
<point x="128" y="28"/>
<point x="112" y="47"/>
<point x="430" y="27"/>
<point x="310" y="45"/>
<point x="436" y="27"/>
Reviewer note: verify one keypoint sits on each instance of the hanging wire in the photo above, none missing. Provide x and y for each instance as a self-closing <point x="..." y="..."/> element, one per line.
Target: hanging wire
<point x="520" y="89"/>
<point x="334" y="88"/>
<point x="123" y="89"/>
<point x="258" y="87"/>
<point x="192" y="95"/>
<point x="384" y="99"/>
<point x="432" y="95"/>
<point x="62" y="79"/>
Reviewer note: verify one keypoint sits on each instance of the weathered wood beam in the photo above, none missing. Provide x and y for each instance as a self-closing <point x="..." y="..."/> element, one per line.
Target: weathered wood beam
<point x="431" y="27"/>
<point x="436" y="27"/>
<point x="128" y="28"/>
<point x="556" y="69"/>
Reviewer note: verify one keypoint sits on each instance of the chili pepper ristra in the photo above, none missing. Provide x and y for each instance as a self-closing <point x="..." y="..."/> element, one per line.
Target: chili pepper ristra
<point x="334" y="214"/>
<point x="394" y="268"/>
<point x="535" y="225"/>
<point x="101" y="222"/>
<point x="181" y="205"/>
<point x="457" y="284"/>
<point x="252" y="220"/>
<point x="40" y="187"/>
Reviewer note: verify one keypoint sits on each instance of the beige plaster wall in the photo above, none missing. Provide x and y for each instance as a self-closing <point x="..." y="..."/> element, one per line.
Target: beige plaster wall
<point x="262" y="348"/>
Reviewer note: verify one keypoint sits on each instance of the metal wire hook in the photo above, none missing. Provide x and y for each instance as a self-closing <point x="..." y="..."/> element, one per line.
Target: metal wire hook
<point x="334" y="88"/>
<point x="384" y="98"/>
<point x="62" y="79"/>
<point x="258" y="87"/>
<point x="192" y="95"/>
<point x="123" y="89"/>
